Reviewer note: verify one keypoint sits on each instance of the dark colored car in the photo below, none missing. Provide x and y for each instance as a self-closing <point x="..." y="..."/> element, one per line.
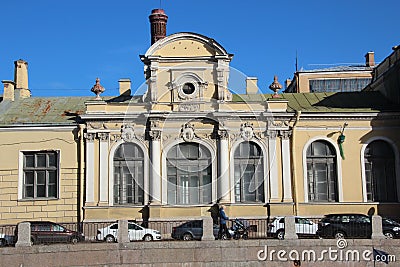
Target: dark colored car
<point x="50" y="232"/>
<point x="353" y="226"/>
<point x="6" y="240"/>
<point x="391" y="228"/>
<point x="193" y="230"/>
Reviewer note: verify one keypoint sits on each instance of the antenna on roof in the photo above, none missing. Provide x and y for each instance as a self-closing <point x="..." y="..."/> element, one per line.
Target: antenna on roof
<point x="160" y="3"/>
<point x="296" y="62"/>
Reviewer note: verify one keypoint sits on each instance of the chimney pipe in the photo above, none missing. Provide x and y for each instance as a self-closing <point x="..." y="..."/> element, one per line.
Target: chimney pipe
<point x="370" y="59"/>
<point x="8" y="93"/>
<point x="21" y="79"/>
<point x="251" y="85"/>
<point x="124" y="87"/>
<point x="158" y="25"/>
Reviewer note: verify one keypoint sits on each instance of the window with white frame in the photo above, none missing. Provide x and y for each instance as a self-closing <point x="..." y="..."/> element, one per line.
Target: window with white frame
<point x="380" y="175"/>
<point x="128" y="174"/>
<point x="249" y="174"/>
<point x="321" y="172"/>
<point x="189" y="171"/>
<point x="40" y="174"/>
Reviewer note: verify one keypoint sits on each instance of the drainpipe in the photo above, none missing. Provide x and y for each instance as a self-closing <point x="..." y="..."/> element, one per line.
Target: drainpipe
<point x="293" y="162"/>
<point x="81" y="171"/>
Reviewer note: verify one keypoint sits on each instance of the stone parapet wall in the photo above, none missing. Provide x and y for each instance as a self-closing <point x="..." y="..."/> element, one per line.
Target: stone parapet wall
<point x="189" y="253"/>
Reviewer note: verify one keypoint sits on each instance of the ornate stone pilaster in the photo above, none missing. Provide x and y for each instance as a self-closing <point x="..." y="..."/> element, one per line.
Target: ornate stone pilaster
<point x="103" y="167"/>
<point x="273" y="165"/>
<point x="285" y="134"/>
<point x="286" y="165"/>
<point x="155" y="135"/>
<point x="89" y="137"/>
<point x="223" y="134"/>
<point x="222" y="80"/>
<point x="155" y="168"/>
<point x="152" y="81"/>
<point x="223" y="180"/>
<point x="103" y="137"/>
<point x="90" y="165"/>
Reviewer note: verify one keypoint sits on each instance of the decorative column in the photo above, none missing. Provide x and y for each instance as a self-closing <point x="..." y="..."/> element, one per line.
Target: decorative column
<point x="155" y="182"/>
<point x="103" y="170"/>
<point x="223" y="177"/>
<point x="273" y="165"/>
<point x="286" y="174"/>
<point x="90" y="168"/>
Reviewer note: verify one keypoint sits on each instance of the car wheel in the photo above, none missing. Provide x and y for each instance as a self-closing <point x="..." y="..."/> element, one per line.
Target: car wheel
<point x="236" y="236"/>
<point x="388" y="235"/>
<point x="280" y="235"/>
<point x="74" y="240"/>
<point x="340" y="235"/>
<point x="245" y="236"/>
<point x="147" y="238"/>
<point x="33" y="241"/>
<point x="3" y="243"/>
<point x="187" y="237"/>
<point x="224" y="237"/>
<point x="110" y="239"/>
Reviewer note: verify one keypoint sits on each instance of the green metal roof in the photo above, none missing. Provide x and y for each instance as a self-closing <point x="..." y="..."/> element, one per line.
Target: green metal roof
<point x="42" y="110"/>
<point x="65" y="110"/>
<point x="329" y="102"/>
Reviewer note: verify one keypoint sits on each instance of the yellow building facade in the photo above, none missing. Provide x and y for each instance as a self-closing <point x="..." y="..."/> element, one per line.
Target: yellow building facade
<point x="189" y="142"/>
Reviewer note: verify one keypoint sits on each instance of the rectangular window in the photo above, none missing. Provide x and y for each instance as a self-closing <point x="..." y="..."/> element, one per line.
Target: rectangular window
<point x="40" y="174"/>
<point x="338" y="85"/>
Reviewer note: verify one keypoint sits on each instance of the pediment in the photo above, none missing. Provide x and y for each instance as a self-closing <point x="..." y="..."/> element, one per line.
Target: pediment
<point x="186" y="45"/>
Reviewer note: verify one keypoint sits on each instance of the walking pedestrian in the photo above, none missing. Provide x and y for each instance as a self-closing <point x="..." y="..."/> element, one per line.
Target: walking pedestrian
<point x="223" y="229"/>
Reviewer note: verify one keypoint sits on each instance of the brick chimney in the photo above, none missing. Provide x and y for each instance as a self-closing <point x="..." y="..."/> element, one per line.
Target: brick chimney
<point x="370" y="59"/>
<point x="158" y="25"/>
<point x="21" y="79"/>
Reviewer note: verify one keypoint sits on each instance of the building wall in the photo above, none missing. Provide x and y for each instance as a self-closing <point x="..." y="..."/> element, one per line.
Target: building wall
<point x="13" y="209"/>
<point x="358" y="133"/>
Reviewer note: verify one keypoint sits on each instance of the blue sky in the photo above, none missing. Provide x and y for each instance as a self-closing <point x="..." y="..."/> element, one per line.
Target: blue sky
<point x="69" y="43"/>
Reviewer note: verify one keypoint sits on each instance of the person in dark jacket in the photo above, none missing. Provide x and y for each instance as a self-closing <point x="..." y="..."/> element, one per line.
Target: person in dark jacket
<point x="145" y="211"/>
<point x="223" y="229"/>
<point x="214" y="210"/>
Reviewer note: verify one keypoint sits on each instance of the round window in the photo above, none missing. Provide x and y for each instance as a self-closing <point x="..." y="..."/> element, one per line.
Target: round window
<point x="188" y="88"/>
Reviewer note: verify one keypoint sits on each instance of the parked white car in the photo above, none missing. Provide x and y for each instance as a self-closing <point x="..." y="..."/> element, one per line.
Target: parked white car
<point x="304" y="227"/>
<point x="135" y="232"/>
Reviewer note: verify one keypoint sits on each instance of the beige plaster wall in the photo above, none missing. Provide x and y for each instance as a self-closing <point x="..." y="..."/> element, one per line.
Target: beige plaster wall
<point x="63" y="209"/>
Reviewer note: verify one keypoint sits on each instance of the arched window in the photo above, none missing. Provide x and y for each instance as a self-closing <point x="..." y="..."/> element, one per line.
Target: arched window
<point x="128" y="174"/>
<point x="189" y="174"/>
<point x="321" y="172"/>
<point x="249" y="174"/>
<point x="380" y="175"/>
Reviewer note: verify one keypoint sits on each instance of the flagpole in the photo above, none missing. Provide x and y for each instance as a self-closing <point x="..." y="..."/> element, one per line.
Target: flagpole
<point x="373" y="248"/>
